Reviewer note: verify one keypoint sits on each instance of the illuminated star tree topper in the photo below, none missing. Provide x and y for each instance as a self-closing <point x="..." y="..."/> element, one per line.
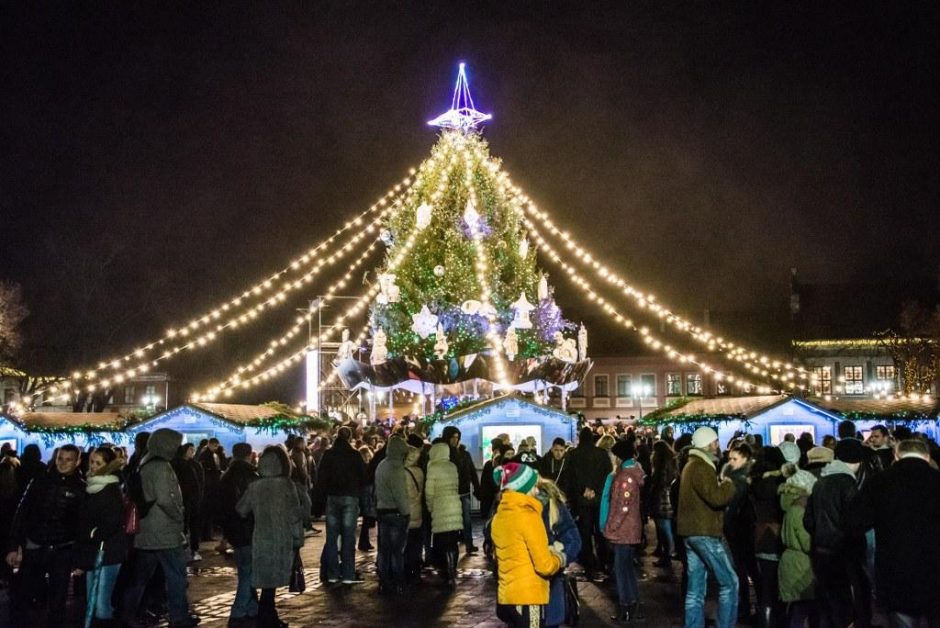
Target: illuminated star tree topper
<point x="462" y="115"/>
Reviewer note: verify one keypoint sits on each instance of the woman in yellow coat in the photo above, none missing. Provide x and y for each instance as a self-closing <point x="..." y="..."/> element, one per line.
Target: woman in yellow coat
<point x="525" y="560"/>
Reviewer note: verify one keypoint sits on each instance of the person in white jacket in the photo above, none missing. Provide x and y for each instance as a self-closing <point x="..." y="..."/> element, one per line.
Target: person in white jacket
<point x="443" y="500"/>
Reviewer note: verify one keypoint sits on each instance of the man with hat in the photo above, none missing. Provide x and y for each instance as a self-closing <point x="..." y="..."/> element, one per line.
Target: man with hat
<point x="835" y="554"/>
<point x="702" y="500"/>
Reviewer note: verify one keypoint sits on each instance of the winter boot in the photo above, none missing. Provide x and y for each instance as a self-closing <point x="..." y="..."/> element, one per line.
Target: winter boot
<point x="623" y="617"/>
<point x="451" y="558"/>
<point x="635" y="613"/>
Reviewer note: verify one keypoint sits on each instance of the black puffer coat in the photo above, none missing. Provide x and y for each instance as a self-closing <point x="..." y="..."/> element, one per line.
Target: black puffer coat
<point x="232" y="486"/>
<point x="48" y="512"/>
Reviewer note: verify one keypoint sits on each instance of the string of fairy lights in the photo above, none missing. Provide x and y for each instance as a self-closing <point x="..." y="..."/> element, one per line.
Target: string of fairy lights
<point x="244" y="380"/>
<point x="482" y="272"/>
<point x="648" y="337"/>
<point x="757" y="364"/>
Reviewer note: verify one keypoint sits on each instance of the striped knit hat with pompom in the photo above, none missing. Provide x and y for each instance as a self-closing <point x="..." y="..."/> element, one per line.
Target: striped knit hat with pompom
<point x="514" y="476"/>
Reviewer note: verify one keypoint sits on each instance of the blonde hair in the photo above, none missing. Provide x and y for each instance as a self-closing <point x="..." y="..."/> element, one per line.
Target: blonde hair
<point x="556" y="499"/>
<point x="606" y="442"/>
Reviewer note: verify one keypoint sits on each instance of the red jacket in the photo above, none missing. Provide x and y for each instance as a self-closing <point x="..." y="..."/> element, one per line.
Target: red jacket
<point x="624" y="526"/>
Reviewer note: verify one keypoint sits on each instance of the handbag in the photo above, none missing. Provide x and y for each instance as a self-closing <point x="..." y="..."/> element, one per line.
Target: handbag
<point x="298" y="583"/>
<point x="572" y="602"/>
<point x="131" y="516"/>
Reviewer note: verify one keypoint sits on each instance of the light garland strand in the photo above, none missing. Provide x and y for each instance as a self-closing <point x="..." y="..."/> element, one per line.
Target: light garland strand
<point x="648" y="337"/>
<point x="296" y="327"/>
<point x="382" y="206"/>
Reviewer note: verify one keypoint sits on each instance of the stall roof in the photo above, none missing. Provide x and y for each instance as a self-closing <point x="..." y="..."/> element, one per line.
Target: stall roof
<point x="745" y="407"/>
<point x="107" y="421"/>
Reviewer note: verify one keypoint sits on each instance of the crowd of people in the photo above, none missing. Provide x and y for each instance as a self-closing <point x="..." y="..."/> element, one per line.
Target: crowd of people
<point x="823" y="534"/>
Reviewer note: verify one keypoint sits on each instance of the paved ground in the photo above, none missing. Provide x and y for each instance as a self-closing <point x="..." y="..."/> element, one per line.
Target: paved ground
<point x="472" y="604"/>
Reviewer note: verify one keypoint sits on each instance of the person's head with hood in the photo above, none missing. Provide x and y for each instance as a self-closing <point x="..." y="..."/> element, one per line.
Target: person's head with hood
<point x="31" y="453"/>
<point x="412" y="457"/>
<point x="163" y="444"/>
<point x="586" y="437"/>
<point x="451" y="436"/>
<point x="623" y="450"/>
<point x="274" y="462"/>
<point x="396" y="450"/>
<point x="439" y="452"/>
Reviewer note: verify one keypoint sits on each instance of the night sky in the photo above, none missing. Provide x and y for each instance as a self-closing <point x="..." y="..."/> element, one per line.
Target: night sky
<point x="156" y="160"/>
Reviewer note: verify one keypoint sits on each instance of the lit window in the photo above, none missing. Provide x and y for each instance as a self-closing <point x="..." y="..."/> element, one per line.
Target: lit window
<point x="648" y="384"/>
<point x="673" y="384"/>
<point x="600" y="386"/>
<point x="885" y="373"/>
<point x="822" y="380"/>
<point x="129" y="394"/>
<point x="854" y="385"/>
<point x="623" y="385"/>
<point x="693" y="383"/>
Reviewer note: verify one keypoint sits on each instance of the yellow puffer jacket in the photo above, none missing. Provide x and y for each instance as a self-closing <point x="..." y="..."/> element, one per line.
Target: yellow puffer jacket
<point x="525" y="562"/>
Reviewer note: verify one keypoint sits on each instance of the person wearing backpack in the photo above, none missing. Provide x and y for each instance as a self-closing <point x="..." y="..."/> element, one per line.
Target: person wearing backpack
<point x="161" y="540"/>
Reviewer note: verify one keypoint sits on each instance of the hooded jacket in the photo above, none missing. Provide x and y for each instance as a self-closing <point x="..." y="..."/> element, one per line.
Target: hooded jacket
<point x="391" y="489"/>
<point x="523" y="558"/>
<point x="440" y="490"/>
<point x="796" y="579"/>
<point x="415" y="483"/>
<point x="162" y="528"/>
<point x="233" y="484"/>
<point x="280" y="508"/>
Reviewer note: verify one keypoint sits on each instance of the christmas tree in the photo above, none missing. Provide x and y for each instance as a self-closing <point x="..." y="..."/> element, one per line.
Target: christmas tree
<point x="465" y="264"/>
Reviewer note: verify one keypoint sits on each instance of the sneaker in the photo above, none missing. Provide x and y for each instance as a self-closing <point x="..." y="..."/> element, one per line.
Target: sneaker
<point x="473" y="549"/>
<point x="197" y="556"/>
<point x="332" y="580"/>
<point x="355" y="580"/>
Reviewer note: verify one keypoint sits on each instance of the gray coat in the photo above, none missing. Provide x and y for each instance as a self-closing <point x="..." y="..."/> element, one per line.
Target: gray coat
<point x="280" y="508"/>
<point x="162" y="528"/>
<point x="391" y="490"/>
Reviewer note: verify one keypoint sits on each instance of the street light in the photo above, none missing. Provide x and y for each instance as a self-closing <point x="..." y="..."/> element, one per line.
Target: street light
<point x="639" y="393"/>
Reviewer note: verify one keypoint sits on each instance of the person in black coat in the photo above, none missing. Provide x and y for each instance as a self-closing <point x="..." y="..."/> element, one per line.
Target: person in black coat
<point x="342" y="475"/>
<point x="101" y="528"/>
<point x="212" y="462"/>
<point x="590" y="467"/>
<point x="902" y="504"/>
<point x="237" y="530"/>
<point x="43" y="535"/>
<point x="31" y="467"/>
<point x="190" y="475"/>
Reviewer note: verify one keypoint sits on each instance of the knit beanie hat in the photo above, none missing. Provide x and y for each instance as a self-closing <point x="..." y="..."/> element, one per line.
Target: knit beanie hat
<point x="415" y="441"/>
<point x="790" y="451"/>
<point x="514" y="476"/>
<point x="819" y="454"/>
<point x="703" y="437"/>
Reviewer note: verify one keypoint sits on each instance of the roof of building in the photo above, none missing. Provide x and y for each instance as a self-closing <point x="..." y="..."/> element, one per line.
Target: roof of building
<point x="105" y="421"/>
<point x="881" y="408"/>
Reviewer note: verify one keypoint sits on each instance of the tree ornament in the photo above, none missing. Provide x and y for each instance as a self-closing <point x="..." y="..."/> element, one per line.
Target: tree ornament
<point x="511" y="344"/>
<point x="543" y="288"/>
<point x="521" y="309"/>
<point x="423" y="323"/>
<point x="471" y="307"/>
<point x="441" y="346"/>
<point x="565" y="348"/>
<point x="386" y="236"/>
<point x="388" y="291"/>
<point x="438" y="271"/>
<point x="379" y="348"/>
<point x="423" y="216"/>
<point x="524" y="247"/>
<point x="582" y="343"/>
<point x="472" y="217"/>
<point x="346" y="347"/>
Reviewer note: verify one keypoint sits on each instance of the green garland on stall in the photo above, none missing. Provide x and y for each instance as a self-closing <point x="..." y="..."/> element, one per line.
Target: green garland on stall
<point x="907" y="418"/>
<point x="285" y="422"/>
<point x="92" y="434"/>
<point x="439" y="415"/>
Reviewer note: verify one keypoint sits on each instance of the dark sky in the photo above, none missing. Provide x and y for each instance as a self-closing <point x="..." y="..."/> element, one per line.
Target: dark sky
<point x="155" y="160"/>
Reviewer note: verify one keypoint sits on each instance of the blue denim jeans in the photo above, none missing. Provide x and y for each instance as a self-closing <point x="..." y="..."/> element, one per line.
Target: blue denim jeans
<point x="707" y="553"/>
<point x="173" y="563"/>
<point x="393" y="536"/>
<point x="246" y="597"/>
<point x="106" y="577"/>
<point x="666" y="538"/>
<point x="467" y="523"/>
<point x="341" y="515"/>
<point x="628" y="591"/>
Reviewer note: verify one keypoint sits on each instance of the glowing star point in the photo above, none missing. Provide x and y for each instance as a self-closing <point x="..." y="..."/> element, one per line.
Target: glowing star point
<point x="462" y="115"/>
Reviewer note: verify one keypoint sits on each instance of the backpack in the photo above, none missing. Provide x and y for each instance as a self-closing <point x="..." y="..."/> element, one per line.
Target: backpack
<point x="135" y="492"/>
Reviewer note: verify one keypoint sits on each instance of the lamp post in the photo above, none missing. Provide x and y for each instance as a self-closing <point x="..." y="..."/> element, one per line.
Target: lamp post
<point x="639" y="393"/>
